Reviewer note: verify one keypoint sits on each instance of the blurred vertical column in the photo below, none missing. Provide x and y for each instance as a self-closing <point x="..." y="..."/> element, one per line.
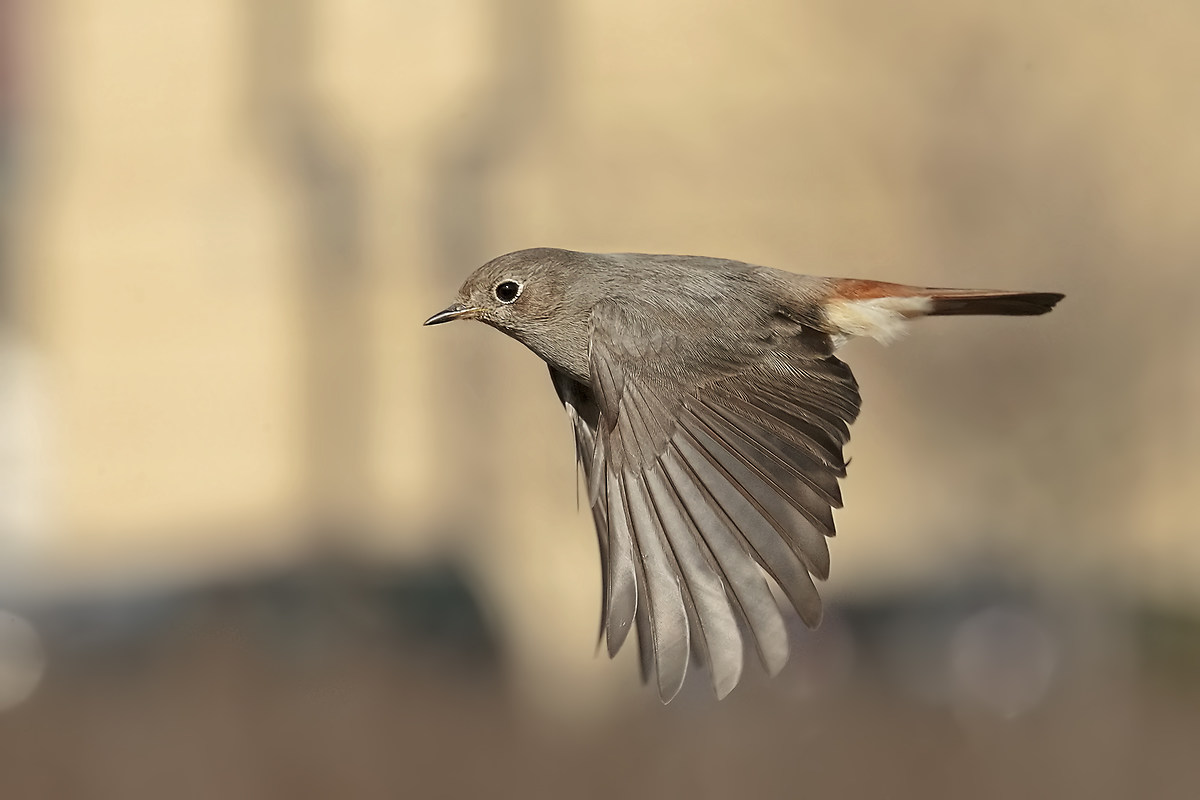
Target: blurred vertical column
<point x="531" y="552"/>
<point x="8" y="123"/>
<point x="313" y="160"/>
<point x="10" y="73"/>
<point x="478" y="140"/>
<point x="22" y="451"/>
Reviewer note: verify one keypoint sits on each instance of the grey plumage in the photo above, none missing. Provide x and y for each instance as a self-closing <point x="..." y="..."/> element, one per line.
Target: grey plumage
<point x="710" y="415"/>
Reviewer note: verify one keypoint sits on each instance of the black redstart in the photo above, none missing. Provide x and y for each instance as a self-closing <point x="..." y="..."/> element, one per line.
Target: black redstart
<point x="710" y="415"/>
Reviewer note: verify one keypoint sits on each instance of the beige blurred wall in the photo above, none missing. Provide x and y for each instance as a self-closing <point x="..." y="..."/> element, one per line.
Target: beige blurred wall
<point x="239" y="213"/>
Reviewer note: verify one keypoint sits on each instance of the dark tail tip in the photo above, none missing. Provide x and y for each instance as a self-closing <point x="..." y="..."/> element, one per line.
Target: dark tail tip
<point x="1009" y="304"/>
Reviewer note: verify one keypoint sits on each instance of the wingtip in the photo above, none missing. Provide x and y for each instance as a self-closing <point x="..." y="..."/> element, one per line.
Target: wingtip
<point x="671" y="666"/>
<point x="722" y="686"/>
<point x="775" y="658"/>
<point x="670" y="691"/>
<point x="614" y="638"/>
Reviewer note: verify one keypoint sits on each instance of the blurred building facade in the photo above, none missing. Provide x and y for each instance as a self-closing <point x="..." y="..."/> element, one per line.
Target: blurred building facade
<point x="224" y="222"/>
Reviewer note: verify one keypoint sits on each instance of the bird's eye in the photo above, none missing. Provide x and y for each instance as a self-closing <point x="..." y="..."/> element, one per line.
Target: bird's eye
<point x="507" y="291"/>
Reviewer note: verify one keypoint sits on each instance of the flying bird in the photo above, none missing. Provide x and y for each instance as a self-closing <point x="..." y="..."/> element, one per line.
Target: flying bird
<point x="710" y="414"/>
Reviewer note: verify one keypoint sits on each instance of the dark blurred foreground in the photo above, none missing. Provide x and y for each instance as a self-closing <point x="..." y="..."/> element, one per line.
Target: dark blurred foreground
<point x="339" y="682"/>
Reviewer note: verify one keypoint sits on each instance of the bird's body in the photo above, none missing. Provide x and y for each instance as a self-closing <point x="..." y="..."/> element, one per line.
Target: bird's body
<point x="710" y="415"/>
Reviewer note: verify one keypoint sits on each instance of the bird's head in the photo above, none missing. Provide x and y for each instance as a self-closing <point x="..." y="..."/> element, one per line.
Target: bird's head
<point x="533" y="296"/>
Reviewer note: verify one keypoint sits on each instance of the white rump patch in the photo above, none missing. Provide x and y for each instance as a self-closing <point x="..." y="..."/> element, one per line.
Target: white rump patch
<point x="881" y="318"/>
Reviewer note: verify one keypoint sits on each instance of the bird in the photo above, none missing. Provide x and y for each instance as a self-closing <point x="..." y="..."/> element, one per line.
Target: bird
<point x="710" y="414"/>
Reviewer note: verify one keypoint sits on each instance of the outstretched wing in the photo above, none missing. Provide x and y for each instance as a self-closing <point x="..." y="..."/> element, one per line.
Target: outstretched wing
<point x="707" y="458"/>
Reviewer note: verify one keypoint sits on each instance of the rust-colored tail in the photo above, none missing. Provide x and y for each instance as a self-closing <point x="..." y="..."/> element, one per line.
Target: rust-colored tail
<point x="944" y="302"/>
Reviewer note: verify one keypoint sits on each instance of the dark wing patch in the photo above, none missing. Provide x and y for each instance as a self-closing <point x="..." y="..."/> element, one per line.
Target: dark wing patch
<point x="707" y="462"/>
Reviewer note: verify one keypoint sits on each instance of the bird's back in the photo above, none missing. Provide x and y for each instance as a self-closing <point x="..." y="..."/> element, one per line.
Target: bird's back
<point x="704" y="295"/>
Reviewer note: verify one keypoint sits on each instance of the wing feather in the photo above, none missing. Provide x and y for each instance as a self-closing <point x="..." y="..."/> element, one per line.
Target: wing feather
<point x="741" y="495"/>
<point x="796" y="489"/>
<point x="622" y="568"/>
<point x="715" y="633"/>
<point x="744" y="582"/>
<point x="664" y="602"/>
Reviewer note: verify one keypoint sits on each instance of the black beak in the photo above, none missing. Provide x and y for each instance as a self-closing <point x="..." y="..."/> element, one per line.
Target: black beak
<point x="452" y="313"/>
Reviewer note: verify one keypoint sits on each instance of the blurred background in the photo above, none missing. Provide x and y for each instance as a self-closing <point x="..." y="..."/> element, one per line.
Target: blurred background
<point x="262" y="535"/>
